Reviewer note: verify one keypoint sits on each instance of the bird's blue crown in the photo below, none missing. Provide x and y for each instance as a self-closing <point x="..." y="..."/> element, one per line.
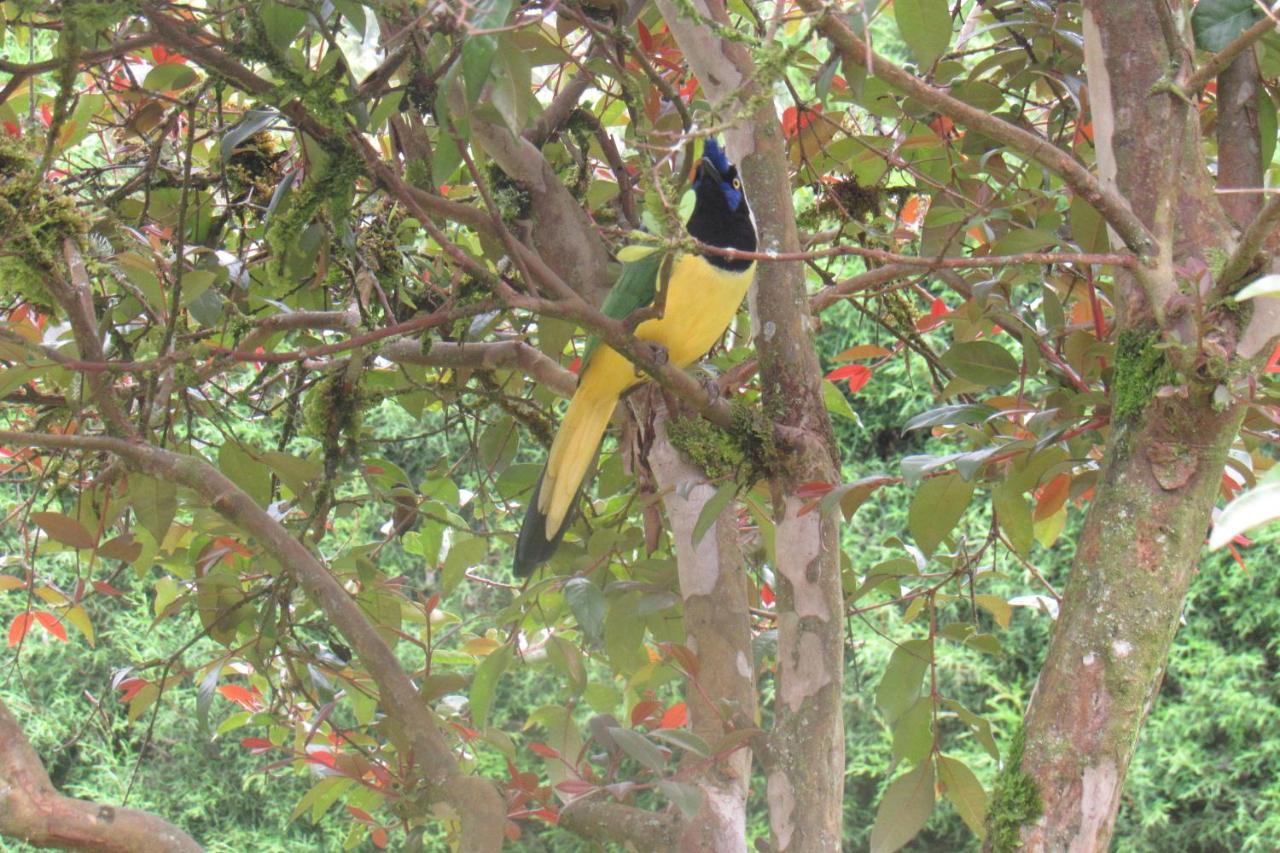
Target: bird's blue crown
<point x="714" y="154"/>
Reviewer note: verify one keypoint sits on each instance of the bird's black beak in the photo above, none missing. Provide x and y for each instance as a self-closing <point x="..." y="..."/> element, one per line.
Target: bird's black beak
<point x="707" y="171"/>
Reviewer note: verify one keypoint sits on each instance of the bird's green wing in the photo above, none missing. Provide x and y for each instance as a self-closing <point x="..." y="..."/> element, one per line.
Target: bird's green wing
<point x="636" y="287"/>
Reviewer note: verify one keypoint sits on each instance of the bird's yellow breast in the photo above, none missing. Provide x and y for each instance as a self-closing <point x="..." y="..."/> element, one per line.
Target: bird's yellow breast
<point x="701" y="302"/>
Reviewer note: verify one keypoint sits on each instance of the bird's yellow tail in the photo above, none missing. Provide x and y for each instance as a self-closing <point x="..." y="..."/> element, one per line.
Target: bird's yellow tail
<point x="551" y="506"/>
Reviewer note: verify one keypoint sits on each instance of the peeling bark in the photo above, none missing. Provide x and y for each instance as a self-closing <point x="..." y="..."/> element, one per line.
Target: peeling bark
<point x="721" y="696"/>
<point x="806" y="745"/>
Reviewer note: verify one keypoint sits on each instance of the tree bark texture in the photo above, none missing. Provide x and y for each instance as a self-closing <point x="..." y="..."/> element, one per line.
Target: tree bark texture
<point x="805" y="766"/>
<point x="1145" y="527"/>
<point x="721" y="694"/>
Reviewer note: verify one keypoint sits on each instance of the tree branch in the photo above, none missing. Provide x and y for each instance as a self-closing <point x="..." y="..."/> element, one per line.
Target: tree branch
<point x="1218" y="63"/>
<point x="603" y="821"/>
<point x="414" y="727"/>
<point x="515" y="354"/>
<point x="1114" y="209"/>
<point x="1248" y="254"/>
<point x="31" y="810"/>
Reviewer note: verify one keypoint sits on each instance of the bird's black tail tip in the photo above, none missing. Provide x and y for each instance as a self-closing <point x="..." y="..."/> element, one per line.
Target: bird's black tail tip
<point x="533" y="546"/>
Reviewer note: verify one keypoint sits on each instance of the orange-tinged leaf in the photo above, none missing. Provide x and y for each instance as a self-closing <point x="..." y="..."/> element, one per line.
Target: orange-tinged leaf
<point x="8" y="582"/>
<point x="863" y="351"/>
<point x="480" y="646"/>
<point x="675" y="716"/>
<point x="379" y="838"/>
<point x="1273" y="363"/>
<point x="1052" y="497"/>
<point x="250" y="700"/>
<point x="18" y="628"/>
<point x="52" y="624"/>
<point x="257" y="745"/>
<point x="543" y="750"/>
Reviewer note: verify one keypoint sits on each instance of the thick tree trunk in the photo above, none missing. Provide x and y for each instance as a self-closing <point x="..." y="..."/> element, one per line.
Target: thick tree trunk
<point x="805" y="762"/>
<point x="1160" y="476"/>
<point x="1134" y="562"/>
<point x="721" y="694"/>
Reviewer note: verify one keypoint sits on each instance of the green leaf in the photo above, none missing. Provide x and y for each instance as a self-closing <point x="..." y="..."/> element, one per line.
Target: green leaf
<point x="282" y="23"/>
<point x="588" y="606"/>
<point x="984" y="362"/>
<point x="624" y="636"/>
<point x="900" y="685"/>
<point x="170" y="77"/>
<point x="246" y="471"/>
<point x="913" y="733"/>
<point x="963" y="789"/>
<point x="1088" y="228"/>
<point x="937" y="506"/>
<point x="837" y="403"/>
<point x="1254" y="508"/>
<point x="686" y="797"/>
<point x="684" y="739"/>
<point x="446" y="159"/>
<point x="478" y="50"/>
<point x="485" y="683"/>
<point x="970" y="413"/>
<point x="711" y="510"/>
<point x="904" y="808"/>
<point x="155" y="502"/>
<point x="466" y="552"/>
<point x="1216" y="23"/>
<point x="1266" y="126"/>
<point x="64" y="529"/>
<point x="1014" y="516"/>
<point x="639" y="747"/>
<point x="925" y="26"/>
<point x="1267" y="285"/>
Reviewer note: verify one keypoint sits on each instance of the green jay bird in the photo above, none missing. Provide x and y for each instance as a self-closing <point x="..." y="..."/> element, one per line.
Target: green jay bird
<point x="702" y="296"/>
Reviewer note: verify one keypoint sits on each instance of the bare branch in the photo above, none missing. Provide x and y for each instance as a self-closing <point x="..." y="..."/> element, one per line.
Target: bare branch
<point x="414" y="727"/>
<point x="1247" y="255"/>
<point x="602" y="821"/>
<point x="515" y="354"/>
<point x="31" y="810"/>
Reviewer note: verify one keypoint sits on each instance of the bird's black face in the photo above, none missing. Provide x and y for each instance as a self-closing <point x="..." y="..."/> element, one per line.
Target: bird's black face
<point x="721" y="216"/>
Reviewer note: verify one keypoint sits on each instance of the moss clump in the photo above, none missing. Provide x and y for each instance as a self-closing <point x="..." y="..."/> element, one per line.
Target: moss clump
<point x="510" y="196"/>
<point x="253" y="169"/>
<point x="1141" y="369"/>
<point x="332" y="413"/>
<point x="34" y="218"/>
<point x="1015" y="800"/>
<point x="746" y="452"/>
<point x="331" y="183"/>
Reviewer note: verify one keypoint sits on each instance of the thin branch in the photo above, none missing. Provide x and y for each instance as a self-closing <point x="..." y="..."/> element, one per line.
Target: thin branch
<point x="1247" y="255"/>
<point x="514" y="354"/>
<point x="1218" y="63"/>
<point x="603" y="821"/>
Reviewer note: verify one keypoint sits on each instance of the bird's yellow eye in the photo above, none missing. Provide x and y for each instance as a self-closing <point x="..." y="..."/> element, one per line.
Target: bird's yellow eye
<point x="737" y="184"/>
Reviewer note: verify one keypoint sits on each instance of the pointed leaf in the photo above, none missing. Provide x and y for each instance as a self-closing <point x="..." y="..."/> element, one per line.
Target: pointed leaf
<point x="965" y="792"/>
<point x="904" y="808"/>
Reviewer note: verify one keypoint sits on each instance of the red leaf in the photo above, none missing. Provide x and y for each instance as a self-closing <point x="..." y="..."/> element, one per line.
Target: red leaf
<point x="574" y="787"/>
<point x="1273" y="363"/>
<point x="646" y="37"/>
<point x="162" y="56"/>
<point x="1238" y="558"/>
<point x="575" y="365"/>
<point x="937" y="311"/>
<point x="432" y="602"/>
<point x="689" y="88"/>
<point x="766" y="595"/>
<point x="107" y="589"/>
<point x="642" y="711"/>
<point x="257" y="745"/>
<point x="18" y="628"/>
<point x="550" y="815"/>
<point x="675" y="716"/>
<point x="250" y="700"/>
<point x="52" y="625"/>
<point x="812" y="489"/>
<point x="130" y="688"/>
<point x="12" y="129"/>
<point x="379" y="838"/>
<point x="544" y="750"/>
<point x="467" y="734"/>
<point x="46" y="115"/>
<point x="360" y="814"/>
<point x="857" y="374"/>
